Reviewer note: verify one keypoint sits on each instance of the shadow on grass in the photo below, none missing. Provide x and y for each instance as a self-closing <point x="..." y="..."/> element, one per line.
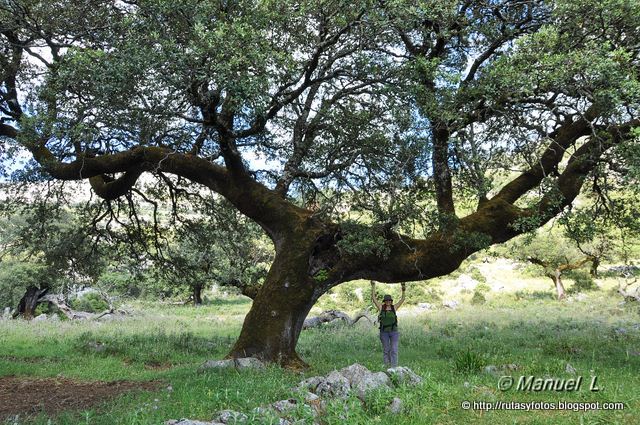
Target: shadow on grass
<point x="152" y="349"/>
<point x="534" y="295"/>
<point x="228" y="301"/>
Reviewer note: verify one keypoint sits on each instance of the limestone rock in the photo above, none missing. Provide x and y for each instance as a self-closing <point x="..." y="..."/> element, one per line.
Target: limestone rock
<point x="249" y="363"/>
<point x="395" y="406"/>
<point x="362" y="379"/>
<point x="284" y="406"/>
<point x="333" y="385"/>
<point x="310" y="384"/>
<point x="241" y="363"/>
<point x="403" y="375"/>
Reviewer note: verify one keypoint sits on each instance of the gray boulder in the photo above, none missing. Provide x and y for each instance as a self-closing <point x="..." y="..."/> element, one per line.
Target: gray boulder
<point x="333" y="385"/>
<point x="241" y="363"/>
<point x="189" y="422"/>
<point x="249" y="363"/>
<point x="362" y="379"/>
<point x="310" y="384"/>
<point x="284" y="406"/>
<point x="403" y="375"/>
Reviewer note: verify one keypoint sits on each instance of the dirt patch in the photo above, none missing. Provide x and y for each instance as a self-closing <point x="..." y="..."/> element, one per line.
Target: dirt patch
<point x="26" y="396"/>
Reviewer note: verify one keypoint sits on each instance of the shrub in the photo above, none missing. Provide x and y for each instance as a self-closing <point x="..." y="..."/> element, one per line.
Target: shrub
<point x="477" y="275"/>
<point x="478" y="297"/>
<point x="91" y="302"/>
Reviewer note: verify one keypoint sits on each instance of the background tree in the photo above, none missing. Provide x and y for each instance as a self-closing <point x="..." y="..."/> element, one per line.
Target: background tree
<point x="43" y="248"/>
<point x="216" y="247"/>
<point x="374" y="114"/>
<point x="555" y="254"/>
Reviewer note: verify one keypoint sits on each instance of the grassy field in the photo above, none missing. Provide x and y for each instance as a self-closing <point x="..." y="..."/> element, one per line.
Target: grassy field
<point x="519" y="325"/>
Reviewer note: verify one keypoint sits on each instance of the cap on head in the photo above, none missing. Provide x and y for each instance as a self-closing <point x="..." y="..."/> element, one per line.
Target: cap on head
<point x="387" y="298"/>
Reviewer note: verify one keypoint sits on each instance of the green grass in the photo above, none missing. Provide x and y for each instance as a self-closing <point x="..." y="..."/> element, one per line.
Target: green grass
<point x="449" y="348"/>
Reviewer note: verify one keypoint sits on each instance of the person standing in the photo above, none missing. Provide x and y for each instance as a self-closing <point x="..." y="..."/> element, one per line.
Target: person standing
<point x="388" y="319"/>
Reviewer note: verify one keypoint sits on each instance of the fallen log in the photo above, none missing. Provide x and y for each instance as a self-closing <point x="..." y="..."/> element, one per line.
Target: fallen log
<point x="35" y="296"/>
<point x="628" y="296"/>
<point x="331" y="315"/>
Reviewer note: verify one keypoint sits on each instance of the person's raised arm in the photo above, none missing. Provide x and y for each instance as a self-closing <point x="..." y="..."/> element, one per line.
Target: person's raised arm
<point x="373" y="296"/>
<point x="397" y="306"/>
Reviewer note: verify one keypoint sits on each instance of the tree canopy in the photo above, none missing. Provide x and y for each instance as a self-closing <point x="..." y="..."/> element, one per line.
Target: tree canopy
<point x="367" y="138"/>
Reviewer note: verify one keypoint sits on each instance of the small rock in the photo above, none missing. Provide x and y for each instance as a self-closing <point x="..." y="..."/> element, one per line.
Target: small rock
<point x="395" y="406"/>
<point x="570" y="369"/>
<point x="492" y="369"/>
<point x="310" y="397"/>
<point x="403" y="375"/>
<point x="40" y="318"/>
<point x="466" y="384"/>
<point x="619" y="331"/>
<point x="189" y="422"/>
<point x="284" y="406"/>
<point x="169" y="388"/>
<point x="229" y="417"/>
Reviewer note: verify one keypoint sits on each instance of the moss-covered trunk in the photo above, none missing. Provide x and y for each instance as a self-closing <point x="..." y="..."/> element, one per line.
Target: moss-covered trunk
<point x="271" y="328"/>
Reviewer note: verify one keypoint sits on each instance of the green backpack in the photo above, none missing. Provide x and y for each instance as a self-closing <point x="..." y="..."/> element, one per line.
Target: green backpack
<point x="383" y="315"/>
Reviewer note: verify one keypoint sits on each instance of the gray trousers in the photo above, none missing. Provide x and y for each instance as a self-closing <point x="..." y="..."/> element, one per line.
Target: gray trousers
<point x="390" y="347"/>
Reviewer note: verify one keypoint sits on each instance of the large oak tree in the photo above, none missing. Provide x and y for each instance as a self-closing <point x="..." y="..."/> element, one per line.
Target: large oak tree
<point x="384" y="124"/>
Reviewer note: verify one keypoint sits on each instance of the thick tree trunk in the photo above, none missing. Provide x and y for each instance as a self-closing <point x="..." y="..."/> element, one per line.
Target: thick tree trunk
<point x="197" y="294"/>
<point x="271" y="328"/>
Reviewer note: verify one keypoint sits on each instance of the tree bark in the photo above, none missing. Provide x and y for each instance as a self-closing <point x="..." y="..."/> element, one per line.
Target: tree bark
<point x="271" y="328"/>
